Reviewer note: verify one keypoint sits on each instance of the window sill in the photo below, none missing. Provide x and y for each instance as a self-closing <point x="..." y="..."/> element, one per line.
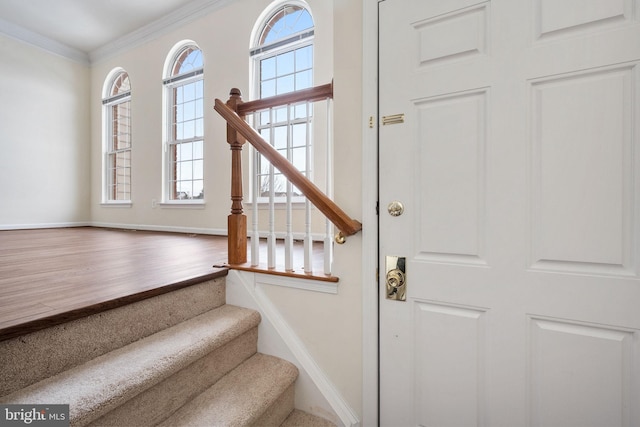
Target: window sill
<point x="183" y="204"/>
<point x="117" y="204"/>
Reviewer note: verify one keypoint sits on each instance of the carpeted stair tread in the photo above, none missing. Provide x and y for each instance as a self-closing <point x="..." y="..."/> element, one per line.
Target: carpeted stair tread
<point x="31" y="358"/>
<point x="104" y="383"/>
<point x="241" y="397"/>
<point x="299" y="418"/>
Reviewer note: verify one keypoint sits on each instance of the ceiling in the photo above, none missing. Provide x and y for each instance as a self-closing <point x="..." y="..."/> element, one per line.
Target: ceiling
<point x="85" y="26"/>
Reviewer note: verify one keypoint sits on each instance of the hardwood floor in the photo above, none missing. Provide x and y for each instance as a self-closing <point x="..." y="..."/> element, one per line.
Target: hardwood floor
<point x="51" y="276"/>
<point x="48" y="276"/>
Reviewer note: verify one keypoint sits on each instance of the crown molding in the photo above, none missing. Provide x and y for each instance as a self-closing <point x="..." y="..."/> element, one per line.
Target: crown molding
<point x="23" y="35"/>
<point x="186" y="14"/>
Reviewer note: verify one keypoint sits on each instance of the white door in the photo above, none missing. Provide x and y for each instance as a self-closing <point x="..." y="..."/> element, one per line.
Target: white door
<point x="517" y="161"/>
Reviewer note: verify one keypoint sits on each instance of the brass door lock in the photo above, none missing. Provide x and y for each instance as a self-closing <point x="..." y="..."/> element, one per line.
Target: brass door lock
<point x="396" y="279"/>
<point x="395" y="208"/>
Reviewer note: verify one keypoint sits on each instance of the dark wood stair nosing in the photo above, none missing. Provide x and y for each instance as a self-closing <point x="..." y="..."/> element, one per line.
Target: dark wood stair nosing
<point x="27" y="327"/>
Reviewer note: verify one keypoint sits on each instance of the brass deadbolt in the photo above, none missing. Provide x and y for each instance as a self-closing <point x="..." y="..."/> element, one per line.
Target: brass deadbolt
<point x="395" y="208"/>
<point x="395" y="278"/>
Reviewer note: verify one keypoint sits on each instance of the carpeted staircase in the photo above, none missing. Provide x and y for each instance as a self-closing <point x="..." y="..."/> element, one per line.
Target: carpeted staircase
<point x="185" y="358"/>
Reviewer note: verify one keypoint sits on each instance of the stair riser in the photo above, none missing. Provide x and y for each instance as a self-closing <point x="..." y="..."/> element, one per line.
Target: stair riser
<point x="251" y="394"/>
<point x="279" y="410"/>
<point x="31" y="358"/>
<point x="160" y="401"/>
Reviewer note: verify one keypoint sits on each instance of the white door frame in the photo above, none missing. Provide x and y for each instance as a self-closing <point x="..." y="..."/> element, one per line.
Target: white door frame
<point x="370" y="236"/>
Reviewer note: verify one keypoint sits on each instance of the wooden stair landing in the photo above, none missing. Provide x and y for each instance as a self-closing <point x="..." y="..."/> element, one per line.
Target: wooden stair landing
<point x="52" y="276"/>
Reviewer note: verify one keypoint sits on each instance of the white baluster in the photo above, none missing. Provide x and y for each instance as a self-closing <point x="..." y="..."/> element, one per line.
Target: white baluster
<point x="328" y="236"/>
<point x="255" y="235"/>
<point x="288" y="240"/>
<point x="271" y="239"/>
<point x="308" y="238"/>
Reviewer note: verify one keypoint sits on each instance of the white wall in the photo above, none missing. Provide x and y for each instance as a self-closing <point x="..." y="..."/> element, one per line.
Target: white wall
<point x="224" y="38"/>
<point x="329" y="325"/>
<point x="44" y="138"/>
<point x="57" y="146"/>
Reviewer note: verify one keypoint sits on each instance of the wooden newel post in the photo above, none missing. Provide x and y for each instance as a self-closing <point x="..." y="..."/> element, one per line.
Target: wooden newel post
<point x="237" y="221"/>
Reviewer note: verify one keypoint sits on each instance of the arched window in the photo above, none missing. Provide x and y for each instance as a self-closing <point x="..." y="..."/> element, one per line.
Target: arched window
<point x="184" y="123"/>
<point x="282" y="56"/>
<point x="116" y="103"/>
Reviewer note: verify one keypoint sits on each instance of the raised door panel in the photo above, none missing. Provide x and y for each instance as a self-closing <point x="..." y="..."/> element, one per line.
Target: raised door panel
<point x="581" y="374"/>
<point x="452" y="336"/>
<point x="583" y="188"/>
<point x="557" y="18"/>
<point x="450" y="148"/>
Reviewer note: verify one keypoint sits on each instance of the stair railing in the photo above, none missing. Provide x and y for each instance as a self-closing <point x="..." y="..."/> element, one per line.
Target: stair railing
<point x="234" y="111"/>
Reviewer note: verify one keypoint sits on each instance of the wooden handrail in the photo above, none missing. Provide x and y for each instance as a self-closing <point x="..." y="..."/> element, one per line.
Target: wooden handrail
<point x="332" y="211"/>
<point x="313" y="94"/>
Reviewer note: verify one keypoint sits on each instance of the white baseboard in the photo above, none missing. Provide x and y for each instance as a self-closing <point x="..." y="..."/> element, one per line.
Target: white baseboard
<point x="165" y="228"/>
<point x="142" y="227"/>
<point x="148" y="227"/>
<point x="292" y="282"/>
<point x="315" y="393"/>
<point x="43" y="225"/>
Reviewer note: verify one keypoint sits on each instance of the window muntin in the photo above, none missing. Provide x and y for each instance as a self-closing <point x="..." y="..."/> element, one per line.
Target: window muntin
<point x="285" y="72"/>
<point x="289" y="128"/>
<point x="286" y="24"/>
<point x="283" y="60"/>
<point x="118" y="148"/>
<point x="185" y="122"/>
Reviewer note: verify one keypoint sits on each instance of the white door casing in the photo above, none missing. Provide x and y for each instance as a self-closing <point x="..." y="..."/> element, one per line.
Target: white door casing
<point x="518" y="164"/>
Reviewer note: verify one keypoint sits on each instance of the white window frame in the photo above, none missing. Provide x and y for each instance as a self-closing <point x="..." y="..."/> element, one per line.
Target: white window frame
<point x="108" y="103"/>
<point x="171" y="82"/>
<point x="259" y="53"/>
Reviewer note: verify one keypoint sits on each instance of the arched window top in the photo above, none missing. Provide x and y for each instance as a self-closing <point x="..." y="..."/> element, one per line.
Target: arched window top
<point x="120" y="84"/>
<point x="185" y="60"/>
<point x="116" y="86"/>
<point x="286" y="21"/>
